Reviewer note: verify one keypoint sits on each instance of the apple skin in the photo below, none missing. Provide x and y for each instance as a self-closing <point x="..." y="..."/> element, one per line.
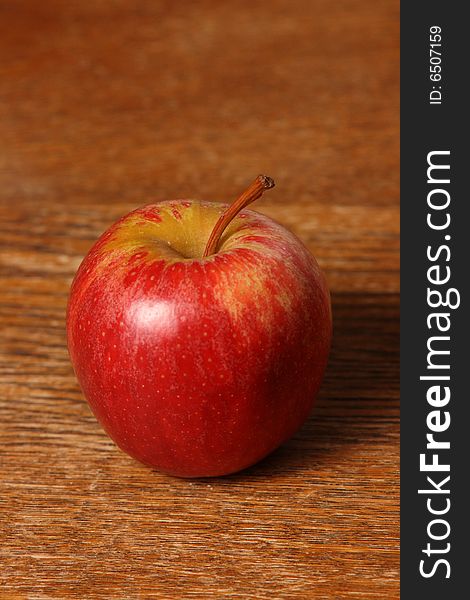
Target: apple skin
<point x="197" y="366"/>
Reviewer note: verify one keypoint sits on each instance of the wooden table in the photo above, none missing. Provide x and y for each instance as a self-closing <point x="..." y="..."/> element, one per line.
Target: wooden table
<point x="108" y="105"/>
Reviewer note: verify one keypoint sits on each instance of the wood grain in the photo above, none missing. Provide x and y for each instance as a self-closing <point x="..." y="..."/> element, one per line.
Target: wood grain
<point x="108" y="105"/>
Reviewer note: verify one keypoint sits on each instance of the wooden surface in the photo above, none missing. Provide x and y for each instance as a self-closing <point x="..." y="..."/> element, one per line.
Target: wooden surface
<point x="108" y="105"/>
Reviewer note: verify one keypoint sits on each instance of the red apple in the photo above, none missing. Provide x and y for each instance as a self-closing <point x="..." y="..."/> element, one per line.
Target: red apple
<point x="199" y="334"/>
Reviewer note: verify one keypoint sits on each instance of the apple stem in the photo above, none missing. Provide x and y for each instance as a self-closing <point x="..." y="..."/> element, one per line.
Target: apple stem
<point x="252" y="193"/>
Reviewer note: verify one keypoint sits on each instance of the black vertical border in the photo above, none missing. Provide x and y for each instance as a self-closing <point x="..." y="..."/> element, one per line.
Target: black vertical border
<point x="425" y="128"/>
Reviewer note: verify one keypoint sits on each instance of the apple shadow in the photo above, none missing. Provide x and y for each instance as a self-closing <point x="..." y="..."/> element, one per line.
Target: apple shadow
<point x="358" y="400"/>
